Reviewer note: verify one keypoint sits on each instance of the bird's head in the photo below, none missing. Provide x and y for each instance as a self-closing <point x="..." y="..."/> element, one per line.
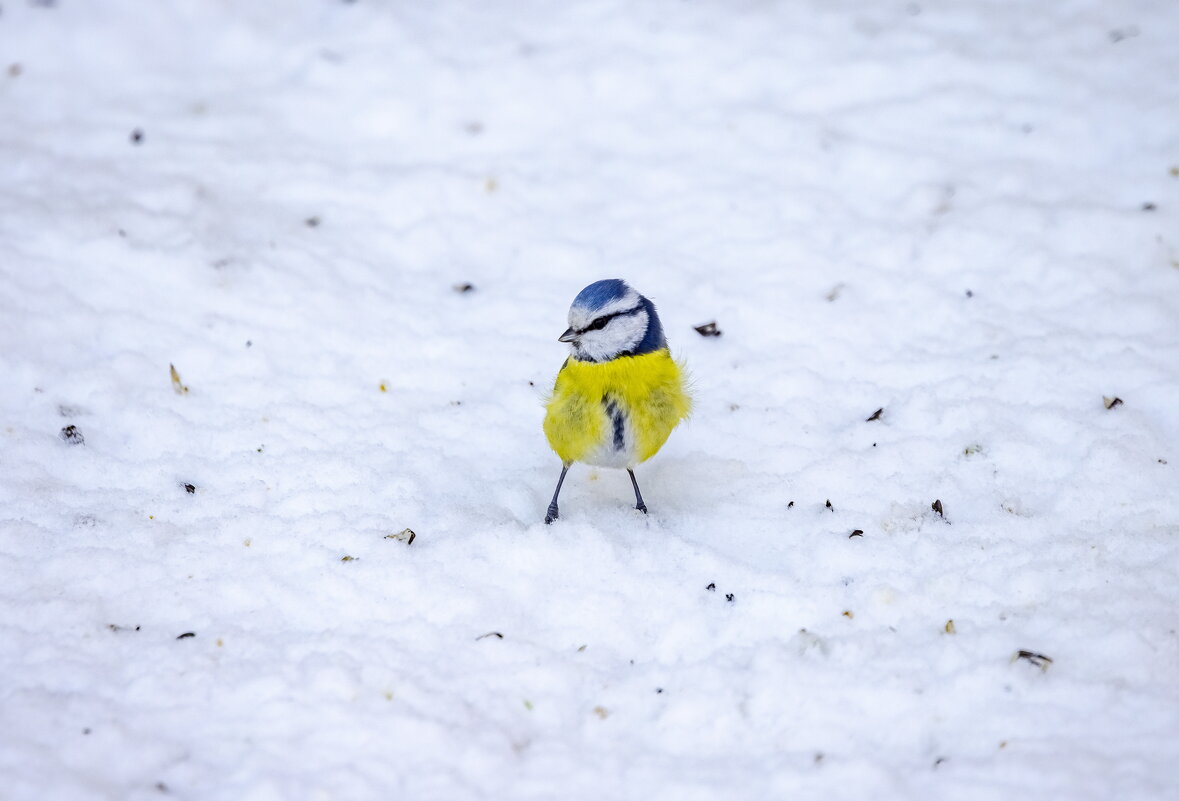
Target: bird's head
<point x="609" y="319"/>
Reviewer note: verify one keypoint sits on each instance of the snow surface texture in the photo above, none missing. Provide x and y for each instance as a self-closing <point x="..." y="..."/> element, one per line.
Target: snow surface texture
<point x="966" y="214"/>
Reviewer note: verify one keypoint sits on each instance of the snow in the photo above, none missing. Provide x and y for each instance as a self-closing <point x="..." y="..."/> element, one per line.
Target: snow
<point x="963" y="213"/>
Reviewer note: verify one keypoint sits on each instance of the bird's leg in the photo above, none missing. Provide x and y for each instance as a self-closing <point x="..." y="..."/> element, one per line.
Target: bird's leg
<point x="642" y="507"/>
<point x="552" y="515"/>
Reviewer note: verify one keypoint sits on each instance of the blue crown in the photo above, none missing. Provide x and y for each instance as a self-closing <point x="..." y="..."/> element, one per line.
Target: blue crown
<point x="599" y="293"/>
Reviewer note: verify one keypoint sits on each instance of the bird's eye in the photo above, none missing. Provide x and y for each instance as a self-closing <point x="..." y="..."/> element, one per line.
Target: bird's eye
<point x="598" y="324"/>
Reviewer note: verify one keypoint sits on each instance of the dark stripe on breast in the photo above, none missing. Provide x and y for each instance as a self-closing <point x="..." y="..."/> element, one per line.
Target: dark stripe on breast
<point x="616" y="417"/>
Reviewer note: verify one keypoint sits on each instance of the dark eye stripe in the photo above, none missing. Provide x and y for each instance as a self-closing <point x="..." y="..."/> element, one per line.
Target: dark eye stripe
<point x="601" y="322"/>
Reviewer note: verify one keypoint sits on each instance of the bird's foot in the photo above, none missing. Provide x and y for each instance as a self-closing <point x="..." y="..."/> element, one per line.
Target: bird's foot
<point x="551" y="515"/>
<point x="642" y="507"/>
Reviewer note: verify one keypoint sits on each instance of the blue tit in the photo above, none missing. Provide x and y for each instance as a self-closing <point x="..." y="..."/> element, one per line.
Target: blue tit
<point x="619" y="394"/>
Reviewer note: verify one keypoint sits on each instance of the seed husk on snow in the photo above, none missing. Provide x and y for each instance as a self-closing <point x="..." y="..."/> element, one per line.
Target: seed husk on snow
<point x="406" y="535"/>
<point x="177" y="387"/>
<point x="1112" y="402"/>
<point x="1039" y="660"/>
<point x="72" y="435"/>
<point x="708" y="330"/>
<point x="875" y="415"/>
<point x="495" y="634"/>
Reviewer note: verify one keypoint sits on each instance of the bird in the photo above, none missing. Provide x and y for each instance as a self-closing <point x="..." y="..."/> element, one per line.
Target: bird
<point x="619" y="394"/>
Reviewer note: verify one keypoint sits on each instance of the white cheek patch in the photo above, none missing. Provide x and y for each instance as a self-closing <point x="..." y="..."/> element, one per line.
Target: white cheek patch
<point x="621" y="334"/>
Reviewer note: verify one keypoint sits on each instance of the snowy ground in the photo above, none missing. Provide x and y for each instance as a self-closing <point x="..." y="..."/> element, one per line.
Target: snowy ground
<point x="966" y="214"/>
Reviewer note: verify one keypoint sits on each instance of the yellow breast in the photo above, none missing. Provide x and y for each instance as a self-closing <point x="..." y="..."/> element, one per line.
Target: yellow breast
<point x="616" y="413"/>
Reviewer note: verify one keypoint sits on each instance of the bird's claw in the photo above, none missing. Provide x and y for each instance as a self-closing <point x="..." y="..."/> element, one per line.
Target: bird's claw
<point x="551" y="515"/>
<point x="642" y="507"/>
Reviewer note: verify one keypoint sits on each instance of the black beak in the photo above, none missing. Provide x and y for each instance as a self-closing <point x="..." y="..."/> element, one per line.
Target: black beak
<point x="569" y="336"/>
